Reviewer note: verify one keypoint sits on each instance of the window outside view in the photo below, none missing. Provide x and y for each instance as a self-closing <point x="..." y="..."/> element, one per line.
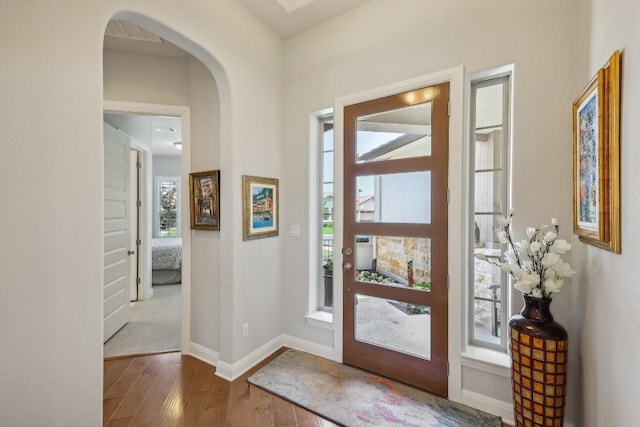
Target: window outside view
<point x="168" y="209"/>
<point x="490" y="185"/>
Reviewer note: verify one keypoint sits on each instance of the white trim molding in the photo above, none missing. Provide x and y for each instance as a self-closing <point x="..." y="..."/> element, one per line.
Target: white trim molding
<point x="231" y="371"/>
<point x="203" y="353"/>
<point x="488" y="404"/>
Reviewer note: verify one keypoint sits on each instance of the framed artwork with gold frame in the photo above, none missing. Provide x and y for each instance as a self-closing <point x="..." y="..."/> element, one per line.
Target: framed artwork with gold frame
<point x="204" y="198"/>
<point x="260" y="207"/>
<point x="596" y="159"/>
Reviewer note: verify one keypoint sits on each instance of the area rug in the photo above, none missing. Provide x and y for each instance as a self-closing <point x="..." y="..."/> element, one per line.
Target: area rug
<point x="352" y="397"/>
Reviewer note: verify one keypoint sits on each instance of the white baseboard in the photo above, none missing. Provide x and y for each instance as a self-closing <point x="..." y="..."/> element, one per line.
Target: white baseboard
<point x="231" y="371"/>
<point x="488" y="404"/>
<point x="308" y="346"/>
<point x="203" y="353"/>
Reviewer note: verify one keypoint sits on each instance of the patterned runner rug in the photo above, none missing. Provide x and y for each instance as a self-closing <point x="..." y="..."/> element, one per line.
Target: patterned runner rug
<point x="352" y="397"/>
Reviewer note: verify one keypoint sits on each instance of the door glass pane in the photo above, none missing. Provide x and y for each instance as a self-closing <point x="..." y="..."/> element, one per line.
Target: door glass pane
<point x="403" y="262"/>
<point x="395" y="134"/>
<point x="395" y="198"/>
<point x="394" y="325"/>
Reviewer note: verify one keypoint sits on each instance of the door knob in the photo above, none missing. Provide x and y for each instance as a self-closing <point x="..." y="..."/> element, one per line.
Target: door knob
<point x="131" y="252"/>
<point x="348" y="251"/>
<point x="347" y="266"/>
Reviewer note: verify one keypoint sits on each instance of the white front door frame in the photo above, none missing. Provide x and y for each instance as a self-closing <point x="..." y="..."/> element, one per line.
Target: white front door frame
<point x="185" y="115"/>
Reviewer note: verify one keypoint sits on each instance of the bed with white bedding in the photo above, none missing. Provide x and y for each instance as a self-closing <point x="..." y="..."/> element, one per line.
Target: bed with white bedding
<point x="166" y="260"/>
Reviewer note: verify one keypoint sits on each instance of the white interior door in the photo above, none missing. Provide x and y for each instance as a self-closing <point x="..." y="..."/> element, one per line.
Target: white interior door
<point x="116" y="230"/>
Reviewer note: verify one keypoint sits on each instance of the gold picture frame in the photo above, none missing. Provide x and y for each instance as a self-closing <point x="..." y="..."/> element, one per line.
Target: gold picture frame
<point x="204" y="200"/>
<point x="260" y="207"/>
<point x="596" y="159"/>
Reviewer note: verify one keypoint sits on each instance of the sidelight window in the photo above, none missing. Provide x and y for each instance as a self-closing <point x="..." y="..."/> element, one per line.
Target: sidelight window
<point x="489" y="189"/>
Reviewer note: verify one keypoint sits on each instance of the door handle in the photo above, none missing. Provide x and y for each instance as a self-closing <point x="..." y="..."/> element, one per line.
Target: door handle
<point x="347" y="266"/>
<point x="348" y="251"/>
<point x="131" y="252"/>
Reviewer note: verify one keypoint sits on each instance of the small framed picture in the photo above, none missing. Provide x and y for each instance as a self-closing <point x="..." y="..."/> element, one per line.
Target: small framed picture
<point x="259" y="207"/>
<point x="204" y="196"/>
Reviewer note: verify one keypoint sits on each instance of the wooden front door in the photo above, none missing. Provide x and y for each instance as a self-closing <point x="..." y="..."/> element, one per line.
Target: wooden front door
<point x="395" y="236"/>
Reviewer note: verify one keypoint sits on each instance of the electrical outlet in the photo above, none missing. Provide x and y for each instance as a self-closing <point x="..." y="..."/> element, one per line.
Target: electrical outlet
<point x="245" y="330"/>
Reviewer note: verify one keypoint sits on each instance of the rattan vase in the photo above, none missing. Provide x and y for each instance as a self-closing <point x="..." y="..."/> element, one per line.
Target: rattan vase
<point x="539" y="365"/>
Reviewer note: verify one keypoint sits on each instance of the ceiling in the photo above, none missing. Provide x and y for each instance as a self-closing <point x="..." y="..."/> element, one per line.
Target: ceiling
<point x="160" y="131"/>
<point x="289" y="17"/>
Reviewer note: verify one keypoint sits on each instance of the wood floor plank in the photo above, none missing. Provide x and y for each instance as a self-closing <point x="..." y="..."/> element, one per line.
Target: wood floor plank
<point x="128" y="378"/>
<point x="283" y="414"/>
<point x="123" y="422"/>
<point x="259" y="399"/>
<point x="261" y="418"/>
<point x="215" y="413"/>
<point x="109" y="407"/>
<point x="305" y="418"/>
<point x="195" y="405"/>
<point x="137" y="394"/>
<point x="112" y="371"/>
<point x="151" y="408"/>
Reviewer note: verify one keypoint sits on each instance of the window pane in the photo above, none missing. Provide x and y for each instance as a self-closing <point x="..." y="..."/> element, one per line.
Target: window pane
<point x="490" y="181"/>
<point x="325" y="288"/>
<point x="488" y="192"/>
<point x="168" y="198"/>
<point x="378" y="136"/>
<point x="393" y="261"/>
<point x="394" y="325"/>
<point x="395" y="198"/>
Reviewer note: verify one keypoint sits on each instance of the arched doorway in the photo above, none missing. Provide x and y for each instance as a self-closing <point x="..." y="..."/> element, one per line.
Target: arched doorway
<point x="198" y="313"/>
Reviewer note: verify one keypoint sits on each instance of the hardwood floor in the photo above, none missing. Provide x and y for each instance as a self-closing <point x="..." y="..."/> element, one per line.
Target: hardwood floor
<point x="174" y="390"/>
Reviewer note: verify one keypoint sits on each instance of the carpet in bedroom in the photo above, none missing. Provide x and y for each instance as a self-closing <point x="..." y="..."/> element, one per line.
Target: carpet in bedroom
<point x="352" y="397"/>
<point x="154" y="325"/>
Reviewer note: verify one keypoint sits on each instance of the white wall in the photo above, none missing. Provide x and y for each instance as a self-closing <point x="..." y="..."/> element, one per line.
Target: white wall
<point x="609" y="347"/>
<point x="385" y="42"/>
<point x="50" y="259"/>
<point x="168" y="165"/>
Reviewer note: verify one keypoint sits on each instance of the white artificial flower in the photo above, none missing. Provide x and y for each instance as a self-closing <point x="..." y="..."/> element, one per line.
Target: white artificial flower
<point x="510" y="257"/>
<point x="550" y="259"/>
<point x="531" y="232"/>
<point x="535" y="247"/>
<point x="506" y="267"/>
<point x="523" y="245"/>
<point x="563" y="269"/>
<point x="524" y="287"/>
<point x="528" y="264"/>
<point x="549" y="237"/>
<point x="535" y="264"/>
<point x="560" y="247"/>
<point x="551" y="285"/>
